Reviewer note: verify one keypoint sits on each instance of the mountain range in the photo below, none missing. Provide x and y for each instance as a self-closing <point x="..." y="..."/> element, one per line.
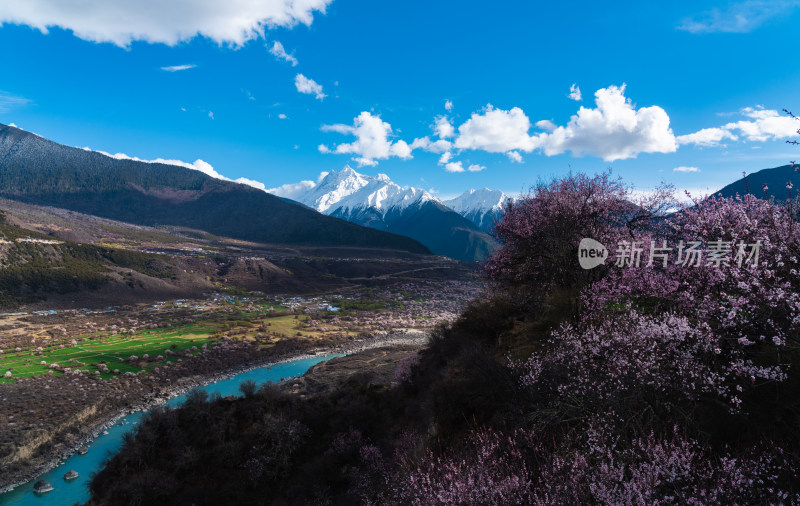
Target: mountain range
<point x="38" y="171"/>
<point x="456" y="228"/>
<point x="343" y="209"/>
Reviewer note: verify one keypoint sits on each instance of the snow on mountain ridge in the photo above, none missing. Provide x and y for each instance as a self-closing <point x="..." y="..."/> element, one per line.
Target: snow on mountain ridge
<point x="348" y="191"/>
<point x="482" y="207"/>
<point x="483" y="200"/>
<point x="333" y="189"/>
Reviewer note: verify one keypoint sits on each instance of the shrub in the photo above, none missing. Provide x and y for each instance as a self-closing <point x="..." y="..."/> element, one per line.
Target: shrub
<point x="248" y="388"/>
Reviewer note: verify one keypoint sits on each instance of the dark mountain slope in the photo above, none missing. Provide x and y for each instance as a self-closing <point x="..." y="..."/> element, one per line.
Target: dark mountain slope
<point x="442" y="230"/>
<point x="775" y="179"/>
<point x="38" y="171"/>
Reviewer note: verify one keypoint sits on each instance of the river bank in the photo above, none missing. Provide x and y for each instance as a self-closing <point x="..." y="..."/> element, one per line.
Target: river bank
<point x="97" y="424"/>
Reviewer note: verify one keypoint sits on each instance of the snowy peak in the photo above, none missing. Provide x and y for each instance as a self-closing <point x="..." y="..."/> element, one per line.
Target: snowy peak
<point x="333" y="188"/>
<point x="483" y="200"/>
<point x="481" y="207"/>
<point x="346" y="191"/>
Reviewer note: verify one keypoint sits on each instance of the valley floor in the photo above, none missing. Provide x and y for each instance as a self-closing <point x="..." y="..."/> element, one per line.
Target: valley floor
<point x="66" y="373"/>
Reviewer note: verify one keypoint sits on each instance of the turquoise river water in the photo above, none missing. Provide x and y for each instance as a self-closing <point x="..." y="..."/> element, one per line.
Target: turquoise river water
<point x="76" y="491"/>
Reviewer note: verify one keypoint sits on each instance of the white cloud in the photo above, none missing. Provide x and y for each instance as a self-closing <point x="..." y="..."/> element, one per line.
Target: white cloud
<point x="121" y="22"/>
<point x="454" y="167"/>
<point x="9" y="102"/>
<point x="211" y="114"/>
<point x="250" y="182"/>
<point x="365" y="162"/>
<point x="448" y="106"/>
<point x="762" y="125"/>
<point x="444" y="129"/>
<point x="685" y="169"/>
<point x="198" y="165"/>
<point x="476" y="168"/>
<point x="308" y="86"/>
<point x="496" y="131"/>
<point x="372" y="140"/>
<point x="420" y="142"/>
<point x="293" y="190"/>
<point x="178" y="68"/>
<point x="766" y="125"/>
<point x="438" y="146"/>
<point x="282" y="116"/>
<point x="280" y="53"/>
<point x="614" y="130"/>
<point x="706" y="137"/>
<point x="757" y="112"/>
<point x="296" y="190"/>
<point x="514" y="156"/>
<point x="338" y="128"/>
<point x="741" y="17"/>
<point x="575" y="93"/>
<point x="401" y="149"/>
<point x="546" y="125"/>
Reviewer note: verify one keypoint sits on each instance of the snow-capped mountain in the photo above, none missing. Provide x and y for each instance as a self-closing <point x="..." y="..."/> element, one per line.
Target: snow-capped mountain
<point x="377" y="202"/>
<point x="346" y="191"/>
<point x="481" y="207"/>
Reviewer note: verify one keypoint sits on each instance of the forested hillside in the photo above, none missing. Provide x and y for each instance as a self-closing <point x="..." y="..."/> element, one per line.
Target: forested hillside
<point x="38" y="171"/>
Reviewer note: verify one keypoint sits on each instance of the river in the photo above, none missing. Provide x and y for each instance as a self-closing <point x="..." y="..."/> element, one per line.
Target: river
<point x="76" y="491"/>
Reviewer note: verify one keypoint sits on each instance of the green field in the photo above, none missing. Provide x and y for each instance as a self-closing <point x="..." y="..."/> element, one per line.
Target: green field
<point x="114" y="350"/>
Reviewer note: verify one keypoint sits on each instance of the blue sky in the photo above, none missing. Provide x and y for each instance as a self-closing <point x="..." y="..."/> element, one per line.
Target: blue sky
<point x="421" y="91"/>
